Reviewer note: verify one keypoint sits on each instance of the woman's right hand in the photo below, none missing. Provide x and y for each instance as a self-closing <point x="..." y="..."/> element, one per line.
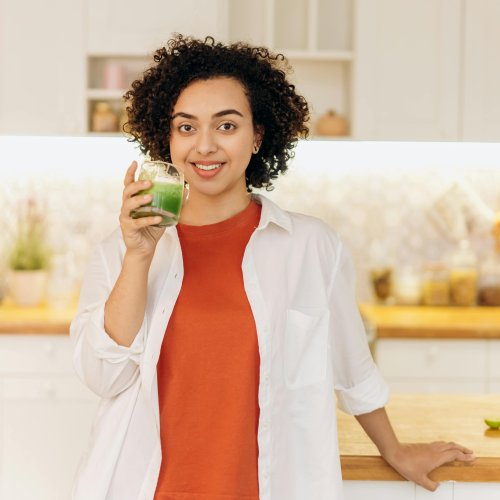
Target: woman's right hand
<point x="139" y="235"/>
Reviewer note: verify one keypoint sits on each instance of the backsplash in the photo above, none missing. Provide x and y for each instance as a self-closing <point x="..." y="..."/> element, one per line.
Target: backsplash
<point x="381" y="208"/>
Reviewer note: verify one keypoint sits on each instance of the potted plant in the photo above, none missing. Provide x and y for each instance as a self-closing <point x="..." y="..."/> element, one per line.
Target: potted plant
<point x="29" y="258"/>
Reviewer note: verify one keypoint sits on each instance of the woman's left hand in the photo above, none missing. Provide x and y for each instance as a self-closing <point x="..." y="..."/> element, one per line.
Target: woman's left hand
<point x="414" y="461"/>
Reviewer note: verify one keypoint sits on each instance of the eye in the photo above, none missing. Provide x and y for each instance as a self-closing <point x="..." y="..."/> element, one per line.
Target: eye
<point x="227" y="126"/>
<point x="185" y="127"/>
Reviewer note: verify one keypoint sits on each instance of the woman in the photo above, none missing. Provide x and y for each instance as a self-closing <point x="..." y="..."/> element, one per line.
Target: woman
<point x="217" y="345"/>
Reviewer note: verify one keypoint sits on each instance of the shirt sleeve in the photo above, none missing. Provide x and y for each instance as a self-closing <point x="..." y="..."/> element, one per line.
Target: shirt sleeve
<point x="358" y="384"/>
<point x="106" y="367"/>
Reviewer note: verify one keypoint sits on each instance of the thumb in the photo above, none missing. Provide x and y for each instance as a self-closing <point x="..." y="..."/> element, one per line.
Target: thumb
<point x="429" y="484"/>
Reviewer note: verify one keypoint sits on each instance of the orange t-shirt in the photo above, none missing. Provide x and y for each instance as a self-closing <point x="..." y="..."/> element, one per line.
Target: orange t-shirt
<point x="208" y="370"/>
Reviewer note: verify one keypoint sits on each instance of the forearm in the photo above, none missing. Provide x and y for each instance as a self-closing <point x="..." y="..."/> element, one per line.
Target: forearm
<point x="379" y="429"/>
<point x="126" y="305"/>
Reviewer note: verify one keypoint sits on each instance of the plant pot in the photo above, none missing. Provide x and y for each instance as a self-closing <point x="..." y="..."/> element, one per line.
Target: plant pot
<point x="27" y="288"/>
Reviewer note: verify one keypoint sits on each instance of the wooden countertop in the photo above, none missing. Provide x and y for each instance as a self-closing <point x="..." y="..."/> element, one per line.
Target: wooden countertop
<point x="390" y="321"/>
<point x="35" y="319"/>
<point x="433" y="322"/>
<point x="421" y="418"/>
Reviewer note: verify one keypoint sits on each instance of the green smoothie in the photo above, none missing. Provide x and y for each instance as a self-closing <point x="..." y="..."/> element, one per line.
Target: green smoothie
<point x="167" y="201"/>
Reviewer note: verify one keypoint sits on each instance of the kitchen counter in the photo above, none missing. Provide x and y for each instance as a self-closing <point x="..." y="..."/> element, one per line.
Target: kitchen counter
<point x="433" y="322"/>
<point x="426" y="418"/>
<point x="390" y="321"/>
<point x="31" y="320"/>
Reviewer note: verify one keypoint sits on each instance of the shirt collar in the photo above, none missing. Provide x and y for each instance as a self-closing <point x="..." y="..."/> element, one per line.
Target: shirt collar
<point x="272" y="213"/>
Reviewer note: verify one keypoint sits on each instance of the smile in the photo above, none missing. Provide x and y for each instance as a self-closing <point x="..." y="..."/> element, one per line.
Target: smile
<point x="207" y="167"/>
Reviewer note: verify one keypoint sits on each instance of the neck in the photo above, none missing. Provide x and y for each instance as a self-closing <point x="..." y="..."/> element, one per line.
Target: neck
<point x="201" y="210"/>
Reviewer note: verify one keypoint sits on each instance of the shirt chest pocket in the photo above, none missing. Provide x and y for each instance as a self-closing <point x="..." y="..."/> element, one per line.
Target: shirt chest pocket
<point x="306" y="347"/>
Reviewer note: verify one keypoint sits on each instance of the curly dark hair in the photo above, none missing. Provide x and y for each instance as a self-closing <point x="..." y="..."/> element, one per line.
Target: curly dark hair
<point x="276" y="107"/>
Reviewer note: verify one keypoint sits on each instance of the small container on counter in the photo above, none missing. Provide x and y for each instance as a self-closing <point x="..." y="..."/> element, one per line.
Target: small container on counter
<point x="407" y="288"/>
<point x="436" y="284"/>
<point x="381" y="278"/>
<point x="104" y="119"/>
<point x="463" y="276"/>
<point x="489" y="280"/>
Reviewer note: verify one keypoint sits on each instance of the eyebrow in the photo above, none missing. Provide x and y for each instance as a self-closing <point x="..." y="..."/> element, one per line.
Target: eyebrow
<point x="216" y="115"/>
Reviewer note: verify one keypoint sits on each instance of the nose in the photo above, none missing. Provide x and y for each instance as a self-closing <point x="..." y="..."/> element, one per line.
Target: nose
<point x="205" y="143"/>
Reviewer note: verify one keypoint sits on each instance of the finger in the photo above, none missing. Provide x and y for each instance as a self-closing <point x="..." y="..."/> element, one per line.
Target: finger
<point x="185" y="196"/>
<point x="146" y="221"/>
<point x="456" y="446"/>
<point x="428" y="484"/>
<point x="451" y="455"/>
<point x="129" y="175"/>
<point x="135" y="202"/>
<point x="134" y="188"/>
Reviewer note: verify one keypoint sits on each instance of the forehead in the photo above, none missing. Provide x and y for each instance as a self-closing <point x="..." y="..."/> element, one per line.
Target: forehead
<point x="215" y="93"/>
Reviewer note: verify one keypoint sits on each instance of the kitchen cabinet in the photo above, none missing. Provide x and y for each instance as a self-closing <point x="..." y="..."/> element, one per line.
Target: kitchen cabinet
<point x="481" y="112"/>
<point x="390" y="490"/>
<point x="437" y="349"/>
<point x="118" y="27"/>
<point x="434" y="365"/>
<point x="426" y="70"/>
<point x="126" y="35"/>
<point x="408" y="70"/>
<point x="45" y="417"/>
<point x="437" y="365"/>
<point x="315" y="35"/>
<point x="42" y="67"/>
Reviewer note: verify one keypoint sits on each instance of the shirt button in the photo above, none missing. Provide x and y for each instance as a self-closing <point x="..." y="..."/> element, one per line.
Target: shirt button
<point x="163" y="311"/>
<point x="266" y="377"/>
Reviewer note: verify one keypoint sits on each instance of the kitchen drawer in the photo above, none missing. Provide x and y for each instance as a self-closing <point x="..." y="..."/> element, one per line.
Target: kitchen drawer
<point x="494" y="359"/>
<point x="46" y="388"/>
<point x="412" y="358"/>
<point x="429" y="385"/>
<point x="35" y="354"/>
<point x="494" y="386"/>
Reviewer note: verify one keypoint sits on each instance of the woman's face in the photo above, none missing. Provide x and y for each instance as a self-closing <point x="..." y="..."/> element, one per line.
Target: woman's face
<point x="212" y="136"/>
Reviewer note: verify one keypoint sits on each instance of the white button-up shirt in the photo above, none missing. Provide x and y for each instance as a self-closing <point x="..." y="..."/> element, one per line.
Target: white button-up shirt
<point x="299" y="280"/>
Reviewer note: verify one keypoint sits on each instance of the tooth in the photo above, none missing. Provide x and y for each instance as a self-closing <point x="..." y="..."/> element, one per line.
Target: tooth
<point x="208" y="167"/>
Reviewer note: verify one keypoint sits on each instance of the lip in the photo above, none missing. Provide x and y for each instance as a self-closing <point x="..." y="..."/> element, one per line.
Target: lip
<point x="207" y="173"/>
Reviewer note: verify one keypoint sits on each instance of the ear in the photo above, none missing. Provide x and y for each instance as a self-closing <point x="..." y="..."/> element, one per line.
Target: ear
<point x="258" y="136"/>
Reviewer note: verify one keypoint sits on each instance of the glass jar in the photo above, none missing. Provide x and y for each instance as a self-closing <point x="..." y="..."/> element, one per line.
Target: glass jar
<point x="489" y="280"/>
<point x="463" y="275"/>
<point x="436" y="284"/>
<point x="381" y="278"/>
<point x="407" y="287"/>
<point x="104" y="119"/>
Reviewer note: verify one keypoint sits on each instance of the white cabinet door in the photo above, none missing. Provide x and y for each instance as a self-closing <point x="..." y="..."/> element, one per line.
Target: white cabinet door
<point x="129" y="27"/>
<point x="481" y="121"/>
<point x="379" y="490"/>
<point x="476" y="491"/>
<point x="407" y="69"/>
<point x="42" y="67"/>
<point x="45" y="425"/>
<point x="434" y="365"/>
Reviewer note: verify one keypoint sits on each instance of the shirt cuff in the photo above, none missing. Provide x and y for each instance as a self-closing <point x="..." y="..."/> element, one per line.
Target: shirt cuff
<point x="105" y="347"/>
<point x="365" y="397"/>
